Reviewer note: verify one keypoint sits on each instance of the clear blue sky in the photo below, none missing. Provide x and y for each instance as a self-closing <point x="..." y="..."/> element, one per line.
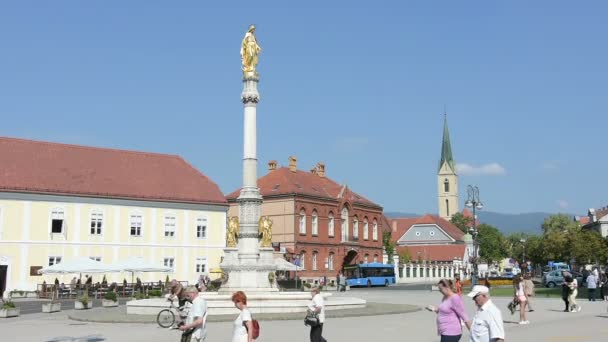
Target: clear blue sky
<point x="358" y="85"/>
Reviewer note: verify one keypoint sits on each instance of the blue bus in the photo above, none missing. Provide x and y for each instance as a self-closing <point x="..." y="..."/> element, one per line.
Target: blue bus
<point x="372" y="274"/>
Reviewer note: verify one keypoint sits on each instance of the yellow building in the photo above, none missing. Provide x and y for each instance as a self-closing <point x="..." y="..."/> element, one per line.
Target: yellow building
<point x="60" y="201"/>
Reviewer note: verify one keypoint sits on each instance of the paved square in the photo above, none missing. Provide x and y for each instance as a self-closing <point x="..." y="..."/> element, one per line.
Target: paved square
<point x="548" y="323"/>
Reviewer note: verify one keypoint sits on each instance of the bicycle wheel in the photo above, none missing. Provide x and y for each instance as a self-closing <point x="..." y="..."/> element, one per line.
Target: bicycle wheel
<point x="165" y="318"/>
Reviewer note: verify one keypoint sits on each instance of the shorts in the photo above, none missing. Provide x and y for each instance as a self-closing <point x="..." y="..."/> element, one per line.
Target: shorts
<point x="522" y="299"/>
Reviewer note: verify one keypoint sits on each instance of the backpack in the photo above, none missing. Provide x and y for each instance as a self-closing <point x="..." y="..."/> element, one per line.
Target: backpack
<point x="255" y="328"/>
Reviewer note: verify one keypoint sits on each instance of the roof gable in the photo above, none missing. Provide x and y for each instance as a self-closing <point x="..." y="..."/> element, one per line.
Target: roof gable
<point x="425" y="233"/>
<point x="402" y="225"/>
<point x="45" y="167"/>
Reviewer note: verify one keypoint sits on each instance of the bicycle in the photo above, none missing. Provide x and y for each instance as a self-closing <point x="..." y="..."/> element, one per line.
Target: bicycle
<point x="166" y="317"/>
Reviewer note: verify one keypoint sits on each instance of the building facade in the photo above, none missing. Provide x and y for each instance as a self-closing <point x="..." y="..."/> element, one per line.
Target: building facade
<point x="447" y="179"/>
<point x="62" y="201"/>
<point x="597" y="220"/>
<point x="322" y="224"/>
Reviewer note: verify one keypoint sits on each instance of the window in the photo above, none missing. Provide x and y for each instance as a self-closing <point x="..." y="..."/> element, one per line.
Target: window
<point x="95" y="259"/>
<point x="330" y="225"/>
<point x="375" y="230"/>
<point x="344" y="220"/>
<point x="136" y="222"/>
<point x="302" y="222"/>
<point x="57" y="219"/>
<point x="365" y="258"/>
<point x="96" y="222"/>
<point x="314" y="261"/>
<point x="315" y="223"/>
<point x="168" y="262"/>
<point x="432" y="233"/>
<point x="330" y="261"/>
<point x="169" y="226"/>
<point x="201" y="228"/>
<point x="54" y="260"/>
<point x="303" y="260"/>
<point x="365" y="229"/>
<point x="375" y="257"/>
<point x="447" y="207"/>
<point x="355" y="228"/>
<point x="446" y="185"/>
<point x="201" y="265"/>
<point x="417" y="233"/>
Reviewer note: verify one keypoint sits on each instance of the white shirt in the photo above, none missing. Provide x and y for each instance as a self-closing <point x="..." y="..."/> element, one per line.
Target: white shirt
<point x="318" y="302"/>
<point x="239" y="332"/>
<point x="520" y="290"/>
<point x="198" y="309"/>
<point x="487" y="324"/>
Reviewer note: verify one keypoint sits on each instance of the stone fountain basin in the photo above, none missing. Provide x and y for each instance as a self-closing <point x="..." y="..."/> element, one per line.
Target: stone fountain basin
<point x="277" y="302"/>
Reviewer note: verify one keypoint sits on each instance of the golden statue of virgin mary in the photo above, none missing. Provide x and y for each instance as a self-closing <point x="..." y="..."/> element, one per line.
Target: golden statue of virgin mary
<point x="249" y="52"/>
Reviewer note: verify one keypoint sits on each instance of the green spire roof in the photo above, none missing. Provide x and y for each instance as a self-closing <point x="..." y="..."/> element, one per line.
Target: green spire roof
<point x="446" y="147"/>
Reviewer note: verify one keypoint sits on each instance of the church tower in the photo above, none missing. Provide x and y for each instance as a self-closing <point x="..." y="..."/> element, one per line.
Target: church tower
<point x="447" y="179"/>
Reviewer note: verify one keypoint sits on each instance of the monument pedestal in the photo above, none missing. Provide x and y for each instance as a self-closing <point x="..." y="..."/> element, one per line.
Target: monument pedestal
<point x="248" y="275"/>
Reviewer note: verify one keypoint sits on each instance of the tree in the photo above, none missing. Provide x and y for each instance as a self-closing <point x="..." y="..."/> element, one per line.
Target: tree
<point x="491" y="242"/>
<point x="461" y="221"/>
<point x="389" y="246"/>
<point x="404" y="256"/>
<point x="559" y="223"/>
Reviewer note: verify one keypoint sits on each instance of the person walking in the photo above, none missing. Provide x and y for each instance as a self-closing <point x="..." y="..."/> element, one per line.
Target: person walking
<point x="458" y="285"/>
<point x="604" y="284"/>
<point x="529" y="290"/>
<point x="317" y="306"/>
<point x="591" y="286"/>
<point x="195" y="329"/>
<point x="449" y="313"/>
<point x="521" y="298"/>
<point x="573" y="285"/>
<point x="487" y="325"/>
<point x="242" y="328"/>
<point x="342" y="282"/>
<point x="566" y="290"/>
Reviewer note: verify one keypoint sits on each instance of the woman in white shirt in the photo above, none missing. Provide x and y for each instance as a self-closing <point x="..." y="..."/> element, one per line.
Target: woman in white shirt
<point x="317" y="305"/>
<point x="242" y="324"/>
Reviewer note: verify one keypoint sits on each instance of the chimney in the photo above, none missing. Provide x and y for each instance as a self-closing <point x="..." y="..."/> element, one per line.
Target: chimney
<point x="293" y="163"/>
<point x="272" y="165"/>
<point x="394" y="226"/>
<point x="321" y="169"/>
<point x="313" y="170"/>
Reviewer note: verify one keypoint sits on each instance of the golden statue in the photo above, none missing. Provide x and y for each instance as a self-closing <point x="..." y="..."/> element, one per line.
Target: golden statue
<point x="265" y="231"/>
<point x="249" y="52"/>
<point x="232" y="232"/>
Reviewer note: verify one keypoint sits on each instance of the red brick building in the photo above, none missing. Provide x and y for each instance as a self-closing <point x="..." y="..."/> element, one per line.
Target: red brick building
<point x="323" y="223"/>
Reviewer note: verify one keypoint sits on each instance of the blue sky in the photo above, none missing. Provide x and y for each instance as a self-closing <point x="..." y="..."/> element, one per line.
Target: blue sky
<point x="358" y="85"/>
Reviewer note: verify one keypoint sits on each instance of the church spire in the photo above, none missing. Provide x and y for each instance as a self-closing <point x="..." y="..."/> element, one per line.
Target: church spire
<point x="446" y="147"/>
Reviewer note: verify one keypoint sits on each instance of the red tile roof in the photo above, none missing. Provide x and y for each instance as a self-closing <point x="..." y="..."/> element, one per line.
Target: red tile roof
<point x="434" y="252"/>
<point x="584" y="220"/>
<point x="283" y="181"/>
<point x="404" y="224"/>
<point x="52" y="168"/>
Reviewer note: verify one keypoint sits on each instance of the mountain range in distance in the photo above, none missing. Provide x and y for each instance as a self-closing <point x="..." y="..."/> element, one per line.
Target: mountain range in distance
<point x="529" y="223"/>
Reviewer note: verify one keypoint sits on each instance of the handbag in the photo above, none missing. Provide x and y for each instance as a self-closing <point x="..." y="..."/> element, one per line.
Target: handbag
<point x="311" y="319"/>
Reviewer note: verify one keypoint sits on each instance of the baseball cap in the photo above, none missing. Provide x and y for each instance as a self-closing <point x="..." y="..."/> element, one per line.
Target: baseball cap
<point x="478" y="289"/>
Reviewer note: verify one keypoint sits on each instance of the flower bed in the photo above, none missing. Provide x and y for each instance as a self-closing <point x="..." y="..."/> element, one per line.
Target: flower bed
<point x="493" y="282"/>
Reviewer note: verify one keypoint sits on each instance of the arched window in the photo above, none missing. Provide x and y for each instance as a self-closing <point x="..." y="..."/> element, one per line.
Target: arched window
<point x="446" y="185"/>
<point x="375" y="257"/>
<point x="302" y="221"/>
<point x="365" y="229"/>
<point x="344" y="221"/>
<point x="375" y="230"/>
<point x="330" y="261"/>
<point x="303" y="260"/>
<point x="315" y="223"/>
<point x="330" y="224"/>
<point x="314" y="260"/>
<point x="355" y="228"/>
<point x="447" y="207"/>
<point x="366" y="259"/>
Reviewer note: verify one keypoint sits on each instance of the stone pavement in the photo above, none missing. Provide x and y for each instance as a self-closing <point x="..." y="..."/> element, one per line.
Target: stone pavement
<point x="548" y="323"/>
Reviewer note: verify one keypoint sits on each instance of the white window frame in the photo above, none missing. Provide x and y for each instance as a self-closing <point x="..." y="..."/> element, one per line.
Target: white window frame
<point x="365" y="229"/>
<point x="201" y="261"/>
<point x="55" y="260"/>
<point x="170" y="224"/>
<point x="375" y="230"/>
<point x="315" y="256"/>
<point x="315" y="223"/>
<point x="134" y="219"/>
<point x="355" y="228"/>
<point x="344" y="223"/>
<point x="201" y="233"/>
<point x="96" y="220"/>
<point x="331" y="225"/>
<point x="169" y="262"/>
<point x="330" y="261"/>
<point x="303" y="260"/>
<point x="56" y="214"/>
<point x="366" y="258"/>
<point x="302" y="222"/>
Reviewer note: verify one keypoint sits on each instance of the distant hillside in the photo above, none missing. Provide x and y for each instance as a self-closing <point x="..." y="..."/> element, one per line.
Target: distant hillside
<point x="507" y="223"/>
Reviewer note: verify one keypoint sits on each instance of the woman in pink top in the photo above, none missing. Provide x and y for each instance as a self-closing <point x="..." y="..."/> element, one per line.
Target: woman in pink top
<point x="450" y="313"/>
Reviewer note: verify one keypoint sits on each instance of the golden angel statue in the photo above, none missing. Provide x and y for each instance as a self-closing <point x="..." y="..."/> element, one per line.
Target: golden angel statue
<point x="232" y="231"/>
<point x="249" y="51"/>
<point x="265" y="231"/>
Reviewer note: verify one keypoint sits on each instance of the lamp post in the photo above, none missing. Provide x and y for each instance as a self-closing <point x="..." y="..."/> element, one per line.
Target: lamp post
<point x="523" y="257"/>
<point x="474" y="202"/>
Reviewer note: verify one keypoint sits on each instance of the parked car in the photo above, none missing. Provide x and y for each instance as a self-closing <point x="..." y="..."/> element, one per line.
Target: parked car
<point x="555" y="278"/>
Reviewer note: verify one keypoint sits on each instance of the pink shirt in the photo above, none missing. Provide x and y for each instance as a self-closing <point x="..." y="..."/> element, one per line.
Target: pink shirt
<point x="449" y="314"/>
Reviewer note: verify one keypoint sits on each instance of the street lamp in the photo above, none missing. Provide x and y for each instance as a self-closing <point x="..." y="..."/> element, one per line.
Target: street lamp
<point x="474" y="202"/>
<point x="523" y="257"/>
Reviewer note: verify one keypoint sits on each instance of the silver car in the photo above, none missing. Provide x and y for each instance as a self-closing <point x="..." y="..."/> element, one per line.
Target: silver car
<point x="555" y="278"/>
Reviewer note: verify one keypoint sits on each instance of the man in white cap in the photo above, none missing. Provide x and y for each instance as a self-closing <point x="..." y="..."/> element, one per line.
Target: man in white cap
<point x="487" y="324"/>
